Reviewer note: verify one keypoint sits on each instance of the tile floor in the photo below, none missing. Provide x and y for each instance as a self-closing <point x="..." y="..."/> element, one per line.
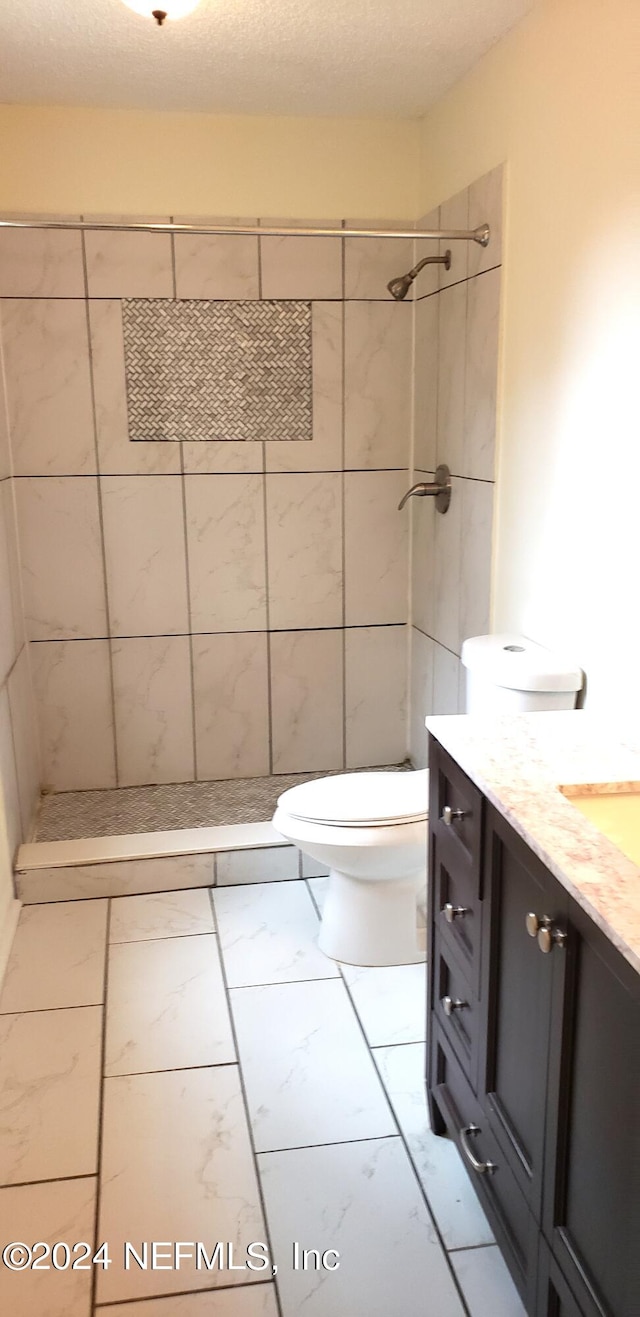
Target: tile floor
<point x="188" y="1067"/>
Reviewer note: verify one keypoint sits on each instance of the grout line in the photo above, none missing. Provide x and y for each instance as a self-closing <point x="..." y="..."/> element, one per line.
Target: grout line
<point x="343" y="496"/>
<point x="174" y="1069"/>
<point x="186" y="1294"/>
<point x="265" y="510"/>
<point x="473" y="1248"/>
<point x="178" y="635"/>
<point x="284" y="983"/>
<point x="42" y="1010"/>
<point x="194" y="475"/>
<point x="94" y="1278"/>
<point x="164" y="937"/>
<point x="234" y="1036"/>
<point x="56" y="1179"/>
<point x="332" y="1143"/>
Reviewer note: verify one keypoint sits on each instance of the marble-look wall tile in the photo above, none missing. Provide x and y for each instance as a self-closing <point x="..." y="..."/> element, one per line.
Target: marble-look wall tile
<point x="9" y="797"/>
<point x="57" y="958"/>
<point x="485" y="207"/>
<point x="377" y="417"/>
<point x="446" y="680"/>
<point x="475" y="562"/>
<point x="5" y="455"/>
<point x="481" y="382"/>
<point x="376" y="547"/>
<point x="10" y="639"/>
<point x="226" y="546"/>
<point x="204" y="1185"/>
<point x="49" y="1094"/>
<point x="244" y="1301"/>
<point x="324" y="452"/>
<point x="221" y="457"/>
<point x="61" y="550"/>
<point x="153" y="703"/>
<point x="62" y="1210"/>
<point x="425" y="384"/>
<point x="46" y="350"/>
<point x="309" y="268"/>
<point x="423" y="540"/>
<point x="117" y="456"/>
<point x="370" y="263"/>
<point x="306" y="700"/>
<point x="428" y="281"/>
<point x="266" y="864"/>
<point x="304" y="539"/>
<point x="421" y="695"/>
<point x="376" y="695"/>
<point x="448" y="558"/>
<point x="8" y="495"/>
<point x="145" y="555"/>
<point x="452" y="317"/>
<point x="25" y="739"/>
<point x="80" y="882"/>
<point x="167" y="1008"/>
<point x="231" y="696"/>
<point x="72" y="684"/>
<point x="454" y="214"/>
<point x="41" y="263"/>
<point x="218" y="266"/>
<point x="128" y="264"/>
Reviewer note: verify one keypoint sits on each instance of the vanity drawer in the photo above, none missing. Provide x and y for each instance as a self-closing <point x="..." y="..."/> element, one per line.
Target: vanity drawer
<point x="457" y="913"/>
<point x="456" y="1009"/>
<point x="455" y="813"/>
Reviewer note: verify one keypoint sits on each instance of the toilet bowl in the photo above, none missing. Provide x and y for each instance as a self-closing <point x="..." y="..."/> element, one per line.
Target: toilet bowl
<point x="370" y="829"/>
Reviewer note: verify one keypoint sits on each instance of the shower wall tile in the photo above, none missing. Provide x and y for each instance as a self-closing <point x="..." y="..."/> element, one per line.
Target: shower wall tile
<point x="454" y="214"/>
<point x="324" y="452"/>
<point x="451" y="377"/>
<point x="423" y="532"/>
<point x="226" y="551"/>
<point x="10" y="639"/>
<point x="117" y="456"/>
<point x="61" y="550"/>
<point x="153" y="708"/>
<point x="72" y="684"/>
<point x="425" y="383"/>
<point x="5" y="455"/>
<point x="485" y="207"/>
<point x="222" y="458"/>
<point x="447" y="552"/>
<point x="475" y="564"/>
<point x="306" y="700"/>
<point x="128" y="264"/>
<point x="41" y="263"/>
<point x="309" y="268"/>
<point x="446" y="680"/>
<point x="46" y="350"/>
<point x="25" y="739"/>
<point x="218" y="266"/>
<point x="421" y="694"/>
<point x="481" y="382"/>
<point x="9" y="794"/>
<point x="428" y="281"/>
<point x="376" y="548"/>
<point x="370" y="263"/>
<point x="9" y="514"/>
<point x="231" y="700"/>
<point x="376" y="695"/>
<point x="145" y="555"/>
<point x="377" y="416"/>
<point x="304" y="539"/>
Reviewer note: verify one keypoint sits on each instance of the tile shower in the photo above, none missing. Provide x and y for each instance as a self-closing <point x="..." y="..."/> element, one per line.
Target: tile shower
<point x="201" y="610"/>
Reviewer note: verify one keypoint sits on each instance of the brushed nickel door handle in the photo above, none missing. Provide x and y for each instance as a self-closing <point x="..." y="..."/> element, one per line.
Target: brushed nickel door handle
<point x="453" y="912"/>
<point x="480" y="1168"/>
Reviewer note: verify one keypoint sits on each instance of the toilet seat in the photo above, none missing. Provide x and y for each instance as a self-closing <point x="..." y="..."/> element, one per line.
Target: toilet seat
<point x="359" y="800"/>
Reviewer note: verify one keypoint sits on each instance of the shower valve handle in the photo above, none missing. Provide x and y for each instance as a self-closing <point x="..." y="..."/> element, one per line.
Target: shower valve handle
<point x="440" y="489"/>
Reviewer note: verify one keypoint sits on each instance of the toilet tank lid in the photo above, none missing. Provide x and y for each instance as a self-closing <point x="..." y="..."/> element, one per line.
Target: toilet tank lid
<point x="519" y="664"/>
<point x="364" y="799"/>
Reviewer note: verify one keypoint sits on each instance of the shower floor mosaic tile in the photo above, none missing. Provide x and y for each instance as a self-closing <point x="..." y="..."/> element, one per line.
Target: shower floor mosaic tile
<point x="69" y="814"/>
<point x="198" y="1119"/>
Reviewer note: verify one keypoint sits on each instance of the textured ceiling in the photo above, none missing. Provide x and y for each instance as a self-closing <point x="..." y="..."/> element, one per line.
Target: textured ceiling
<point x="306" y="57"/>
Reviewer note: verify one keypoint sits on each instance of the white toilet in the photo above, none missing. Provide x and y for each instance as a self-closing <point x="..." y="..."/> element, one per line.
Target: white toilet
<point x="370" y="829"/>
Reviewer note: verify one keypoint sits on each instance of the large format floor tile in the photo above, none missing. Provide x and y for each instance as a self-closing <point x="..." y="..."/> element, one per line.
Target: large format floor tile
<point x="362" y="1199"/>
<point x="49" y="1094"/>
<point x="391" y="1002"/>
<point x="166" y="1006"/>
<point x="63" y="1212"/>
<point x="310" y="1080"/>
<point x="161" y="914"/>
<point x="486" y="1283"/>
<point x="176" y="1165"/>
<point x="57" y="957"/>
<point x="459" y="1216"/>
<point x="250" y="1301"/>
<point x="268" y="934"/>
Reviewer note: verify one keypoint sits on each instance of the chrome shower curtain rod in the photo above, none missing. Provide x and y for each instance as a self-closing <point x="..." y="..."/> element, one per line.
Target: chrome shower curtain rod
<point x="480" y="235"/>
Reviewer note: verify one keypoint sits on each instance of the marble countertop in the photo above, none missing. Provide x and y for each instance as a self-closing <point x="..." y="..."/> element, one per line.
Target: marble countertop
<point x="519" y="761"/>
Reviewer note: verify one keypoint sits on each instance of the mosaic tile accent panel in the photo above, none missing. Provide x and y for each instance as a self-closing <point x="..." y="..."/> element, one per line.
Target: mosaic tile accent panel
<point x="223" y="371"/>
<point x="69" y="814"/>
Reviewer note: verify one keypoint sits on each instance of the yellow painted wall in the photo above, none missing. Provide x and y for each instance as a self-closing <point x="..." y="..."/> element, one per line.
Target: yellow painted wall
<point x="120" y="161"/>
<point x="559" y="100"/>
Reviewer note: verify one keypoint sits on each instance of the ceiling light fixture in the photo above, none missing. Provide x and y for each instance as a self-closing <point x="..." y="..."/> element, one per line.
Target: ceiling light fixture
<point x="170" y="8"/>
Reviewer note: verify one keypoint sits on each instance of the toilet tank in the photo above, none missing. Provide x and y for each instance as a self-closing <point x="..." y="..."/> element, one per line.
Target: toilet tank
<point x="510" y="674"/>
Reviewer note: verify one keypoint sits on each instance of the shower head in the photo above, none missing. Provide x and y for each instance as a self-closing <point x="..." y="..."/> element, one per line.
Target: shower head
<point x="400" y="287"/>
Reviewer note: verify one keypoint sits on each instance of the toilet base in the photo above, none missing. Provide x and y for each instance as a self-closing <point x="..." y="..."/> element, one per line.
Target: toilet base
<point x="371" y="922"/>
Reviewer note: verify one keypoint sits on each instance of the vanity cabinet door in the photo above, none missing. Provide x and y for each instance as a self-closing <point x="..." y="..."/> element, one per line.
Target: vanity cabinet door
<point x="523" y="991"/>
<point x="591" y="1214"/>
<point x="554" y="1297"/>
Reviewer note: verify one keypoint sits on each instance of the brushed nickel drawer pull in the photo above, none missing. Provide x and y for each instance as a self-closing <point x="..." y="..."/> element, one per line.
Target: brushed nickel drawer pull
<point x="481" y="1168"/>
<point x="453" y="912"/>
<point x="543" y="929"/>
<point x="451" y="1004"/>
<point x="449" y="815"/>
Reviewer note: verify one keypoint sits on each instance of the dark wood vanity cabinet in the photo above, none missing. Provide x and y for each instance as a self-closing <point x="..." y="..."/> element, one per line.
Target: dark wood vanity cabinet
<point x="533" y="1058"/>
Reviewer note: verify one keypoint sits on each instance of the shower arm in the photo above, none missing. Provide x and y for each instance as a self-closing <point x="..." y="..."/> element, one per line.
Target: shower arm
<point x="480" y="235"/>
